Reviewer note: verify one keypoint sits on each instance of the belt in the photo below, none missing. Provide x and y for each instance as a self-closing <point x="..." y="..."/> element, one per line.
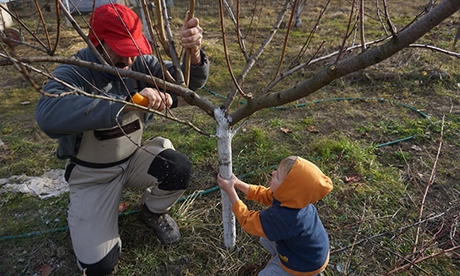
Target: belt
<point x="98" y="165"/>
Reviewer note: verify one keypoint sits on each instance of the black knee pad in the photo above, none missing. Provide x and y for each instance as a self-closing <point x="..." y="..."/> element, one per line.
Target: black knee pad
<point x="104" y="266"/>
<point x="172" y="169"/>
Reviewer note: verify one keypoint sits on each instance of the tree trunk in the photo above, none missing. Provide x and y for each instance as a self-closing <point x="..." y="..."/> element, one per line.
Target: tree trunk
<point x="224" y="149"/>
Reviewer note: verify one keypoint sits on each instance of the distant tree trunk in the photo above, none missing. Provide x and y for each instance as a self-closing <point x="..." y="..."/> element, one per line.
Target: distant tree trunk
<point x="297" y="12"/>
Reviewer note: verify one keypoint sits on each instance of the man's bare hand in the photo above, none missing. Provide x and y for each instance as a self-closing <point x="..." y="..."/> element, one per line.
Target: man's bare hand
<point x="158" y="100"/>
<point x="191" y="35"/>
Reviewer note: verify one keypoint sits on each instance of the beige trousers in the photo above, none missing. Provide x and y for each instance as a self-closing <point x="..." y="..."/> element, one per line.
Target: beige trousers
<point x="95" y="196"/>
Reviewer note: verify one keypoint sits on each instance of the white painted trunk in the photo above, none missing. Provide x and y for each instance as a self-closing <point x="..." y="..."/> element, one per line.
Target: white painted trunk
<point x="224" y="149"/>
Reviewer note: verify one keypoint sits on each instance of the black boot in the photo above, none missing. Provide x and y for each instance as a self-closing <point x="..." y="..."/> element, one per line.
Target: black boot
<point x="165" y="227"/>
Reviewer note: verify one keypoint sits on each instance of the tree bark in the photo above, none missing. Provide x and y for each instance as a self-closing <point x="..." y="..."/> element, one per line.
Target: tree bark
<point x="224" y="148"/>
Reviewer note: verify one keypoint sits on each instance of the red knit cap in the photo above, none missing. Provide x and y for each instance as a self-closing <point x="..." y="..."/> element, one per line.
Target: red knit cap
<point x="120" y="28"/>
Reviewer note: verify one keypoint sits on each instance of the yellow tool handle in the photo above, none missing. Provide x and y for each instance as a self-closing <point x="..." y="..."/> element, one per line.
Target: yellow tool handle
<point x="140" y="100"/>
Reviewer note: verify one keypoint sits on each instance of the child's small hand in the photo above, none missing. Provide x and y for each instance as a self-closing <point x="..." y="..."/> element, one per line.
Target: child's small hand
<point x="225" y="184"/>
<point x="228" y="185"/>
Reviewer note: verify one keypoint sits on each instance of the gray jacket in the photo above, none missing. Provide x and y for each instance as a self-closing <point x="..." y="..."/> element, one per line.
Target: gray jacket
<point x="67" y="117"/>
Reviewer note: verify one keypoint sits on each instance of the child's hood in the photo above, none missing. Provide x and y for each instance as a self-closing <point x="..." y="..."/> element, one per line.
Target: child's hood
<point x="304" y="184"/>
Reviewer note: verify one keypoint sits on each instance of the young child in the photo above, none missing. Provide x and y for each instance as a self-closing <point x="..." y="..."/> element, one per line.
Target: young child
<point x="290" y="228"/>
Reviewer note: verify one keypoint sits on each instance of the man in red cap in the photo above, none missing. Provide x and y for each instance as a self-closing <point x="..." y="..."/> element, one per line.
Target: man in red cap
<point x="102" y="140"/>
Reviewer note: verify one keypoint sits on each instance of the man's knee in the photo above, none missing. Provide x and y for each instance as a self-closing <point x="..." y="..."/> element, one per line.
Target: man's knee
<point x="104" y="266"/>
<point x="171" y="169"/>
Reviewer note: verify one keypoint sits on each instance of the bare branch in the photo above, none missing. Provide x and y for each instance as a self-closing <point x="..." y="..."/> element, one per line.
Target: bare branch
<point x="236" y="22"/>
<point x="355" y="238"/>
<point x="250" y="63"/>
<point x="431" y="256"/>
<point x="188" y="95"/>
<point x="145" y="9"/>
<point x="160" y="8"/>
<point x="393" y="30"/>
<point x="457" y="36"/>
<point x="45" y="27"/>
<point x="430" y="182"/>
<point x="188" y="52"/>
<point x="436" y="49"/>
<point x="310" y="36"/>
<point x="370" y="57"/>
<point x="286" y="38"/>
<point x="108" y="98"/>
<point x="80" y="32"/>
<point x="348" y="32"/>
<point x="21" y="23"/>
<point x="399" y="229"/>
<point x="361" y="20"/>
<point x="171" y="46"/>
<point x="227" y="59"/>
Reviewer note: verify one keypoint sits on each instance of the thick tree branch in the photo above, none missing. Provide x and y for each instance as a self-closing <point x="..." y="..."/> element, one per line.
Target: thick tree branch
<point x="188" y="95"/>
<point x="370" y="57"/>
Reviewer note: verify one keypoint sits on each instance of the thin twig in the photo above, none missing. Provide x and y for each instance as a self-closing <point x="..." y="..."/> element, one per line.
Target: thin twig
<point x="45" y="28"/>
<point x="354" y="239"/>
<point x="179" y="77"/>
<point x="310" y="36"/>
<point x="347" y="33"/>
<point x="237" y="27"/>
<point x="160" y="26"/>
<point x="430" y="182"/>
<point x="189" y="96"/>
<point x="286" y="39"/>
<point x="399" y="229"/>
<point x="21" y="23"/>
<point x="227" y="56"/>
<point x="252" y="61"/>
<point x="393" y="30"/>
<point x="107" y="98"/>
<point x="361" y="20"/>
<point x="188" y="53"/>
<point x="431" y="256"/>
<point x="81" y="33"/>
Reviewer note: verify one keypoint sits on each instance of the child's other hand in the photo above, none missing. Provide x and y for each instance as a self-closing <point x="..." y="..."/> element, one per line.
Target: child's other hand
<point x="226" y="184"/>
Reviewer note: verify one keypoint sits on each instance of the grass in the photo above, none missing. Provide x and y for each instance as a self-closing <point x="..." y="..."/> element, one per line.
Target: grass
<point x="372" y="222"/>
<point x="29" y="150"/>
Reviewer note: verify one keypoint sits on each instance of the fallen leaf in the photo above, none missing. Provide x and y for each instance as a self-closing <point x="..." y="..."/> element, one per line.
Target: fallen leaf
<point x="44" y="271"/>
<point x="312" y="129"/>
<point x="285" y="130"/>
<point x="122" y="207"/>
<point x="352" y="178"/>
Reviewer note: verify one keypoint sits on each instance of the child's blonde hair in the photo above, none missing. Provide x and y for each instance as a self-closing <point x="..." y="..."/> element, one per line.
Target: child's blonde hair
<point x="285" y="166"/>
